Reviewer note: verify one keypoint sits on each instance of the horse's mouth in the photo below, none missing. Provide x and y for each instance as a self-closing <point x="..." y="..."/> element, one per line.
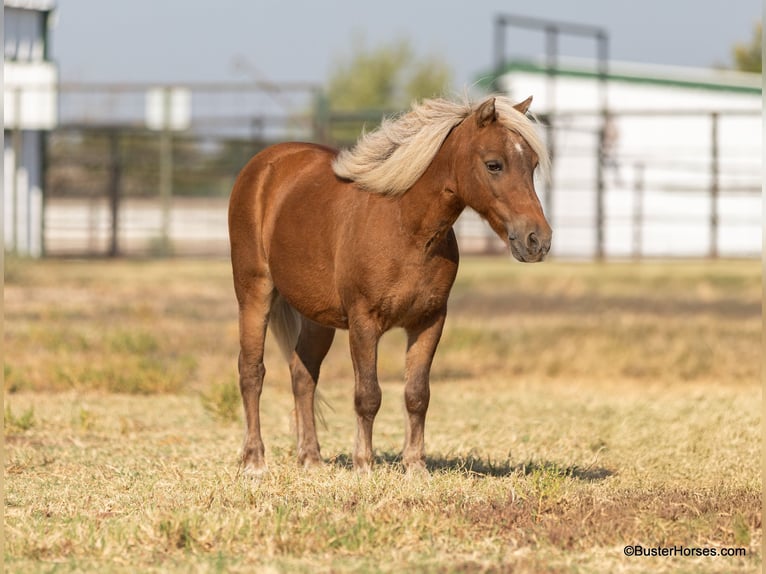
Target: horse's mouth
<point x="522" y="254"/>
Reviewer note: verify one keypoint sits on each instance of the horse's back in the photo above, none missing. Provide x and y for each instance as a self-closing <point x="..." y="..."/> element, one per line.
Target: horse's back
<point x="279" y="160"/>
<point x="264" y="182"/>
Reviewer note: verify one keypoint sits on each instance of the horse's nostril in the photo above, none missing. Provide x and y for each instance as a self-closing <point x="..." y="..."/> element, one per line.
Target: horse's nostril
<point x="533" y="244"/>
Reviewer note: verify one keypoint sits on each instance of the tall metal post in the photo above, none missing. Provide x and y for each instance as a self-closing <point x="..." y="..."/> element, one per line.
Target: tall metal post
<point x="322" y="118"/>
<point x="16" y="143"/>
<point x="114" y="192"/>
<point x="499" y="52"/>
<point x="166" y="172"/>
<point x="714" y="185"/>
<point x="603" y="59"/>
<point x="551" y="59"/>
<point x="638" y="211"/>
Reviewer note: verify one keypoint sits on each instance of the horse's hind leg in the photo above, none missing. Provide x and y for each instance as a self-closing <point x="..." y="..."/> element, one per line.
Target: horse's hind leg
<point x="255" y="295"/>
<point x="313" y="344"/>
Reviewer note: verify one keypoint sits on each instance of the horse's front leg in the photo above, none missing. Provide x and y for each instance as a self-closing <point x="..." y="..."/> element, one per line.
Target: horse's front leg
<point x="363" y="340"/>
<point x="421" y="346"/>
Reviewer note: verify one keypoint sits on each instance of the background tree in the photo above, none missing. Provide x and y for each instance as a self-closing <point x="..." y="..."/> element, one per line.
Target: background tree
<point x="748" y="55"/>
<point x="374" y="81"/>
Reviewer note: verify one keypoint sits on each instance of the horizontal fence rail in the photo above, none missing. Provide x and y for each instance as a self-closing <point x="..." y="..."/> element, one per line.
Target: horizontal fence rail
<point x="117" y="185"/>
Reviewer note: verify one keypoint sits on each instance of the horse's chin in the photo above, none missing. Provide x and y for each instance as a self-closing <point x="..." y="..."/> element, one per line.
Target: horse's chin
<point x="521" y="254"/>
<point x="515" y="253"/>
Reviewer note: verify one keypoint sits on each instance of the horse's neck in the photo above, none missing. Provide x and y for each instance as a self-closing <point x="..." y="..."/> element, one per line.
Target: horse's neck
<point x="431" y="206"/>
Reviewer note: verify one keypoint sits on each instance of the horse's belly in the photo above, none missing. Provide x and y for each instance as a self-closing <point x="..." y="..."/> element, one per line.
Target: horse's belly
<point x="320" y="312"/>
<point x="311" y="292"/>
<point x="301" y="254"/>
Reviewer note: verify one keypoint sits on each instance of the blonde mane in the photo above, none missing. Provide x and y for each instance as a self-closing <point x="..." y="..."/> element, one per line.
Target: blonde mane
<point x="390" y="159"/>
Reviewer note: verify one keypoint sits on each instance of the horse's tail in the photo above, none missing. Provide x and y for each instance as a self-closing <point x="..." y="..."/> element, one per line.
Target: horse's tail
<point x="285" y="324"/>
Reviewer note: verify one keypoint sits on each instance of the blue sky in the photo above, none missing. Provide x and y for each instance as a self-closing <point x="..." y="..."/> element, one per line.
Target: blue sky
<point x="301" y="40"/>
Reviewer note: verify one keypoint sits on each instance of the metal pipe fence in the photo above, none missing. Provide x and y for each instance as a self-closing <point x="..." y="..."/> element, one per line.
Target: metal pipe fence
<point x="117" y="186"/>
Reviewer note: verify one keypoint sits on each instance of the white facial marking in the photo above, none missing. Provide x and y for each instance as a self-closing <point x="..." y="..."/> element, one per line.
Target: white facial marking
<point x="518" y="147"/>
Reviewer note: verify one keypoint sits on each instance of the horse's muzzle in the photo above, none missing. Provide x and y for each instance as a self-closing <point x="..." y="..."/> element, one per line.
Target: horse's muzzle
<point x="530" y="247"/>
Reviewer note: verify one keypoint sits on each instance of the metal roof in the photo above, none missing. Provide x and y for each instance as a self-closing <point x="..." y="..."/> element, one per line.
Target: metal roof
<point x="39" y="5"/>
<point x="682" y="77"/>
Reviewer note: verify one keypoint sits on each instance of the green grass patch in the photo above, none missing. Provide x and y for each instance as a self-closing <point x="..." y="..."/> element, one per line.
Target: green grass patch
<point x="223" y="401"/>
<point x="14" y="424"/>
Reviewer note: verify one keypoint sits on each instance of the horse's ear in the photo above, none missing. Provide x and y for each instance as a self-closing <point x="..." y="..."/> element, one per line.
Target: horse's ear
<point x="486" y="113"/>
<point x="523" y="106"/>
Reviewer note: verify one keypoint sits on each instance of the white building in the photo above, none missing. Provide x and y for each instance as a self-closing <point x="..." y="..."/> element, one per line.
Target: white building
<point x="30" y="109"/>
<point x="682" y="175"/>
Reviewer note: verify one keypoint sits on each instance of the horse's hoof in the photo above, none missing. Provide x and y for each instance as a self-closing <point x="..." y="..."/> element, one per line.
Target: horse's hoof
<point x="363" y="468"/>
<point x="417" y="470"/>
<point x="311" y="462"/>
<point x="254" y="472"/>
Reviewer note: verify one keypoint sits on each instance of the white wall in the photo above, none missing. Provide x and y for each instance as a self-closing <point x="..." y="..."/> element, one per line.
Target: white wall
<point x="29" y="106"/>
<point x="671" y="152"/>
<point x="23" y="194"/>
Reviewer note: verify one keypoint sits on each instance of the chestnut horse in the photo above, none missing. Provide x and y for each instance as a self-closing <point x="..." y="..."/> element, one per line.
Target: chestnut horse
<point x="362" y="240"/>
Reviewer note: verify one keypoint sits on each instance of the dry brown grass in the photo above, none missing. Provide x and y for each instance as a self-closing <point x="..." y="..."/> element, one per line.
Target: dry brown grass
<point x="575" y="409"/>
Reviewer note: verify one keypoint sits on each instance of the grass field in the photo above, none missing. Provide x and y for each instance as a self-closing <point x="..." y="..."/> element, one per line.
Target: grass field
<point x="576" y="409"/>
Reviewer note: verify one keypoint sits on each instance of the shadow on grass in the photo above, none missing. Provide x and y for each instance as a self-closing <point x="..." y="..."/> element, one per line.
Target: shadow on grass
<point x="484" y="468"/>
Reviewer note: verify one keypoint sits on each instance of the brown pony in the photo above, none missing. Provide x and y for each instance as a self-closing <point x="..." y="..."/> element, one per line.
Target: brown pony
<point x="362" y="240"/>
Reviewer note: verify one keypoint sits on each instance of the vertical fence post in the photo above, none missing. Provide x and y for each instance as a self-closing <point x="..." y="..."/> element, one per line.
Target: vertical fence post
<point x="551" y="50"/>
<point x="600" y="194"/>
<point x="714" y="185"/>
<point x="603" y="71"/>
<point x="499" y="52"/>
<point x="16" y="142"/>
<point x="638" y="211"/>
<point x="114" y="192"/>
<point x="321" y="118"/>
<point x="166" y="172"/>
<point x="44" y="138"/>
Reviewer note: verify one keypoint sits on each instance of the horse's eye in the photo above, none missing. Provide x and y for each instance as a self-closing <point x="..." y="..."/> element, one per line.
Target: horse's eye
<point x="494" y="166"/>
